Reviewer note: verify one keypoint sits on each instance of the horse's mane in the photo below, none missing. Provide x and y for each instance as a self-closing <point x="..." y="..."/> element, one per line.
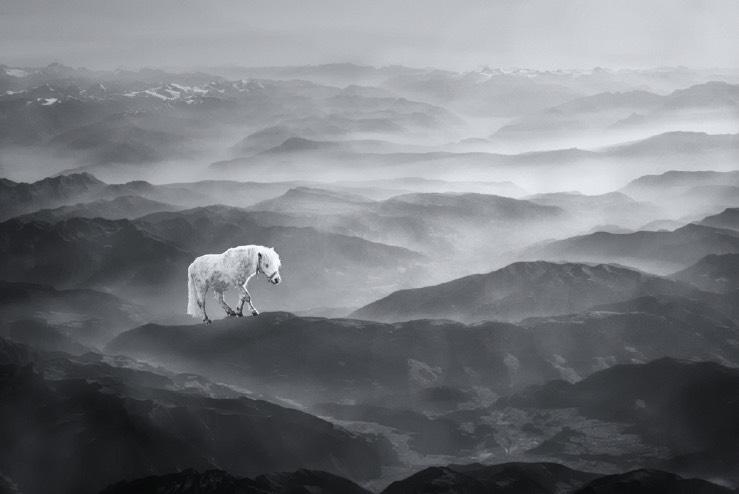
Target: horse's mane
<point x="272" y="255"/>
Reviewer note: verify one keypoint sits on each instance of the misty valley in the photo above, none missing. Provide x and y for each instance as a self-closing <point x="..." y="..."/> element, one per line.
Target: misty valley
<point x="509" y="281"/>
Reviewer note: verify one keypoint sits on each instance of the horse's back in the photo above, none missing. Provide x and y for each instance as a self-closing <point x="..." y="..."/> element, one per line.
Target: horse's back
<point x="204" y="261"/>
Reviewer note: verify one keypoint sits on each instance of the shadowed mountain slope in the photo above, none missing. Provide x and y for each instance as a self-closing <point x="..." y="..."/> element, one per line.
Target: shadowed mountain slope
<point x="316" y="360"/>
<point x="714" y="273"/>
<point x="688" y="406"/>
<point x="520" y="290"/>
<point x="656" y="251"/>
<point x="127" y="423"/>
<point x="728" y="218"/>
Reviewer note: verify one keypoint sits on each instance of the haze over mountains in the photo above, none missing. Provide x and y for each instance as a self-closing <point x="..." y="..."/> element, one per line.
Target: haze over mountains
<point x="493" y="280"/>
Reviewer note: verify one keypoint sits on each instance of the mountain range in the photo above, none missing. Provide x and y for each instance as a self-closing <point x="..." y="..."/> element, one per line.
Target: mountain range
<point x="127" y="423"/>
<point x="654" y="251"/>
<point x="520" y="290"/>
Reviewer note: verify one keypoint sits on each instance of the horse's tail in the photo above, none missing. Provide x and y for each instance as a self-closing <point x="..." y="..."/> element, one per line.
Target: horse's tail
<point x="193" y="308"/>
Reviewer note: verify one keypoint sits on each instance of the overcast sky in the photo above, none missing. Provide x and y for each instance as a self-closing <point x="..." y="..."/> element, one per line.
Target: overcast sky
<point x="456" y="34"/>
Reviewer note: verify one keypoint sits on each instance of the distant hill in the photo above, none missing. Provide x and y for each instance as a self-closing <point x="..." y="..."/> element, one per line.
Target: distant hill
<point x="82" y="252"/>
<point x="80" y="189"/>
<point x="298" y="144"/>
<point x="491" y="207"/>
<point x="17" y="197"/>
<point x="656" y="251"/>
<point x="305" y="200"/>
<point x="519" y="290"/>
<point x="88" y="316"/>
<point x="612" y="208"/>
<point x="459" y="223"/>
<point x="728" y="218"/>
<point x="672" y="181"/>
<point x="639" y="112"/>
<point x="417" y="184"/>
<point x="715" y="273"/>
<point x="123" y="207"/>
<point x="694" y="143"/>
<point x="121" y="141"/>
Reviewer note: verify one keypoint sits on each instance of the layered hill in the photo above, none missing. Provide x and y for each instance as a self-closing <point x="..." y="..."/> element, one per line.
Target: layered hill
<point x="143" y="260"/>
<point x="127" y="423"/>
<point x="90" y="316"/>
<point x="316" y="360"/>
<point x="687" y="406"/>
<point x="520" y="290"/>
<point x="655" y="251"/>
<point x="715" y="273"/>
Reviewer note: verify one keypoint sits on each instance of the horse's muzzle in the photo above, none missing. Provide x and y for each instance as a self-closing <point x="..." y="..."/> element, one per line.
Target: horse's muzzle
<point x="276" y="280"/>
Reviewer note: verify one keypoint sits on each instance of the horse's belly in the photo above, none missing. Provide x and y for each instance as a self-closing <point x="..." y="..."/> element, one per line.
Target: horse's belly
<point x="221" y="282"/>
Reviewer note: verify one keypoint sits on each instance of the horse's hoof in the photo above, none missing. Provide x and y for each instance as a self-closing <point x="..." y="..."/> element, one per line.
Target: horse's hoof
<point x="254" y="313"/>
<point x="239" y="314"/>
<point x="231" y="314"/>
<point x="207" y="321"/>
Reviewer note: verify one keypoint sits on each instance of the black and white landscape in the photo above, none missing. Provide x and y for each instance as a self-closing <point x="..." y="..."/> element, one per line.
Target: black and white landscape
<point x="494" y="278"/>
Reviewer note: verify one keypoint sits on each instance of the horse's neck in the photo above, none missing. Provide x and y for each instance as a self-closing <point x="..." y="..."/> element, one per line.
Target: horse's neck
<point x="248" y="261"/>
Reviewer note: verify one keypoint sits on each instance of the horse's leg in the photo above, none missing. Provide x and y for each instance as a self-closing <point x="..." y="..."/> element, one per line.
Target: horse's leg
<point x="201" y="304"/>
<point x="245" y="297"/>
<point x="229" y="310"/>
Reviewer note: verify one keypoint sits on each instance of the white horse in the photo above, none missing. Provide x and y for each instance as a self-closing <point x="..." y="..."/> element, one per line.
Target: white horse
<point x="233" y="268"/>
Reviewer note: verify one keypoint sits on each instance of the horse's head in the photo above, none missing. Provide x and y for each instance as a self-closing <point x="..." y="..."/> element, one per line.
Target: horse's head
<point x="268" y="263"/>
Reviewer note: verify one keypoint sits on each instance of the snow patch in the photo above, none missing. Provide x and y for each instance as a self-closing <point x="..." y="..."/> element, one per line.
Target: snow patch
<point x="16" y="72"/>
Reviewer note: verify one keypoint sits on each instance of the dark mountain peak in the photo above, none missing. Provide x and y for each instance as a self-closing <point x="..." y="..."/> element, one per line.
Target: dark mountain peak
<point x="304" y="191"/>
<point x="307" y="481"/>
<point x="506" y="478"/>
<point x="677" y="141"/>
<point x="715" y="273"/>
<point x="312" y="200"/>
<point x="520" y="290"/>
<point x="188" y="481"/>
<point x="728" y="218"/>
<point x="473" y="203"/>
<point x="662" y="252"/>
<point x="296" y="144"/>
<point x="708" y="93"/>
<point x="680" y="178"/>
<point x="84" y="178"/>
<point x="536" y="269"/>
<point x="649" y="481"/>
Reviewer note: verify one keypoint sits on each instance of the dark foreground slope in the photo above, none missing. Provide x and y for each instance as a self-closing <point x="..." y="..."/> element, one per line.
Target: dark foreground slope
<point x="316" y="360"/>
<point x="79" y="424"/>
<point x="545" y="478"/>
<point x="219" y="482"/>
<point x="689" y="408"/>
<point x="507" y="478"/>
